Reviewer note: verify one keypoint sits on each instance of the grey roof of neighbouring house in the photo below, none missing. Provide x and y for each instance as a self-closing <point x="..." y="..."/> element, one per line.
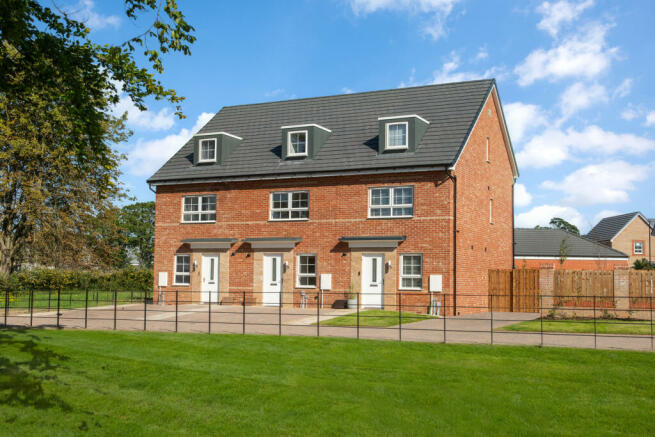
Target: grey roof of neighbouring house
<point x="609" y="227"/>
<point x="547" y="242"/>
<point x="652" y="224"/>
<point x="450" y="108"/>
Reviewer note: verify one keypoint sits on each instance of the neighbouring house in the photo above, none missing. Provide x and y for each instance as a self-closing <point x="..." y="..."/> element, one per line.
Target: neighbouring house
<point x="379" y="189"/>
<point x="564" y="250"/>
<point x="630" y="233"/>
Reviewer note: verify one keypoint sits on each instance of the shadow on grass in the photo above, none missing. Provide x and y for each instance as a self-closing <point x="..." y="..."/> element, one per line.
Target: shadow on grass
<point x="24" y="366"/>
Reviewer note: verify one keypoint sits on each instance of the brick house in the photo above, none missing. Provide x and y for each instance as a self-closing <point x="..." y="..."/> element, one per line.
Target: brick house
<point x="563" y="250"/>
<point x="379" y="189"/>
<point x="631" y="233"/>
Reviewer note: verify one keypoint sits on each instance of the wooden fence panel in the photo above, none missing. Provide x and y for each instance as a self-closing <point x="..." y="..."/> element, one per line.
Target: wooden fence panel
<point x="642" y="287"/>
<point x="514" y="290"/>
<point x="500" y="290"/>
<point x="577" y="288"/>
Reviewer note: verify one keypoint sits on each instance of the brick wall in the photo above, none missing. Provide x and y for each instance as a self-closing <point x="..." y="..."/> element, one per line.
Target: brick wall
<point x="482" y="245"/>
<point x="571" y="264"/>
<point x="637" y="230"/>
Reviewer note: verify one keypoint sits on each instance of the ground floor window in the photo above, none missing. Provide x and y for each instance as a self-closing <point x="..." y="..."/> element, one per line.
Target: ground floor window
<point x="306" y="269"/>
<point x="411" y="272"/>
<point x="182" y="269"/>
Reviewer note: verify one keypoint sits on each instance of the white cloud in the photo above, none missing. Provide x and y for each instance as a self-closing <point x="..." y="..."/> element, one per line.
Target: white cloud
<point x="558" y="13"/>
<point x="164" y="119"/>
<point x="631" y="112"/>
<point x="582" y="55"/>
<point x="605" y="213"/>
<point x="523" y="118"/>
<point x="274" y="93"/>
<point x="650" y="118"/>
<point x="521" y="195"/>
<point x="554" y="146"/>
<point x="83" y="11"/>
<point x="448" y="73"/>
<point x="347" y="90"/>
<point x="148" y="155"/>
<point x="581" y="96"/>
<point x="623" y="89"/>
<point x="482" y="54"/>
<point x="438" y="11"/>
<point x="541" y="215"/>
<point x="608" y="182"/>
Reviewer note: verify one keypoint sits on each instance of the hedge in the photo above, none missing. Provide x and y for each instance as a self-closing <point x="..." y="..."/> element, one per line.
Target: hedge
<point x="130" y="279"/>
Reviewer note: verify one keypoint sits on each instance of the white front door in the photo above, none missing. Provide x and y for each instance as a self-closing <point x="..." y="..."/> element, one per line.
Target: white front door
<point x="209" y="278"/>
<point x="272" y="286"/>
<point x="373" y="281"/>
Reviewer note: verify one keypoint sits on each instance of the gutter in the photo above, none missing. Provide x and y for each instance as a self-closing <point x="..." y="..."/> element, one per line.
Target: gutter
<point x="453" y="178"/>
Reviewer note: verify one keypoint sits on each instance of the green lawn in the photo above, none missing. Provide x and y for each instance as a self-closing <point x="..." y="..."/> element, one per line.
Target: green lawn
<point x="160" y="384"/>
<point x="47" y="300"/>
<point x="379" y="318"/>
<point x="603" y="326"/>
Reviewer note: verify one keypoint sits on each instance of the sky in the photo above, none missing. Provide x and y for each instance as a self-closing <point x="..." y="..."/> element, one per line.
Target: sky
<point x="574" y="77"/>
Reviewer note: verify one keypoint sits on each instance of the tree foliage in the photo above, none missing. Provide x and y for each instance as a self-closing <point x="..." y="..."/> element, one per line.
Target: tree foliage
<point x="560" y="223"/>
<point x="58" y="171"/>
<point x="137" y="221"/>
<point x="643" y="264"/>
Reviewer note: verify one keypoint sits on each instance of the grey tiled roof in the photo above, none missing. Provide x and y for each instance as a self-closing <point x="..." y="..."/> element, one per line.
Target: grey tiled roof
<point x="651" y="222"/>
<point x="451" y="110"/>
<point x="607" y="228"/>
<point x="546" y="242"/>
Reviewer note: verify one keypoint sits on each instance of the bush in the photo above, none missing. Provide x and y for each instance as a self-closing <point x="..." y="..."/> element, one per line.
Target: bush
<point x="51" y="279"/>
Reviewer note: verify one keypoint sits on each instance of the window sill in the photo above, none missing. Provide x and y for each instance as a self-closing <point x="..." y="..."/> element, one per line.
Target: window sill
<point x="410" y="289"/>
<point x="289" y="220"/>
<point x="207" y="162"/>
<point x="396" y="148"/>
<point x="306" y="287"/>
<point x="391" y="218"/>
<point x="197" y="223"/>
<point x="181" y="285"/>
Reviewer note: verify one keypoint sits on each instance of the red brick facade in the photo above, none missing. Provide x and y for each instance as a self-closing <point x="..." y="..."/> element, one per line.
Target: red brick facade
<point x="338" y="206"/>
<point x="571" y="264"/>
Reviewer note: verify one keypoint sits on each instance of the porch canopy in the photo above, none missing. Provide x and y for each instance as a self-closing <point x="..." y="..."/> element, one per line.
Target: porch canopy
<point x="210" y="243"/>
<point x="384" y="241"/>
<point x="273" y="242"/>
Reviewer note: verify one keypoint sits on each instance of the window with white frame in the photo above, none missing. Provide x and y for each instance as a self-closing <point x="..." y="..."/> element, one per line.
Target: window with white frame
<point x="182" y="270"/>
<point x="391" y="202"/>
<point x="306" y="271"/>
<point x="290" y="205"/>
<point x="297" y="142"/>
<point x="638" y="248"/>
<point x="199" y="209"/>
<point x="396" y="135"/>
<point x="411" y="272"/>
<point x="207" y="150"/>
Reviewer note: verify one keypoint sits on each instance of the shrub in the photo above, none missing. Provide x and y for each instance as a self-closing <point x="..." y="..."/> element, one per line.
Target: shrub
<point x="53" y="279"/>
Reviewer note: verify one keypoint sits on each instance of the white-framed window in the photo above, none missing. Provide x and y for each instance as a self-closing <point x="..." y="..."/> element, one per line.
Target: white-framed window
<point x="290" y="205"/>
<point x="207" y="150"/>
<point x="395" y="202"/>
<point x="182" y="270"/>
<point x="491" y="211"/>
<point x="396" y="135"/>
<point x="411" y="271"/>
<point x="199" y="209"/>
<point x="638" y="247"/>
<point x="297" y="142"/>
<point x="487" y="149"/>
<point x="306" y="271"/>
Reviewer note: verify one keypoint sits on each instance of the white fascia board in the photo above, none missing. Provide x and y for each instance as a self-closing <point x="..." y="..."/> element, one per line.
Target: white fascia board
<point x="202" y="134"/>
<point x="404" y="116"/>
<point x="294" y="126"/>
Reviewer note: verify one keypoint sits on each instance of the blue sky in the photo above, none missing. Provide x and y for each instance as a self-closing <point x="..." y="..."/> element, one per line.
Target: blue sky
<point x="574" y="78"/>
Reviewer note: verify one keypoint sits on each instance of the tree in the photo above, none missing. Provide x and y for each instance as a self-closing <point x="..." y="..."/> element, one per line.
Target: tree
<point x="58" y="171"/>
<point x="138" y="223"/>
<point x="563" y="250"/>
<point x="560" y="223"/>
<point x="643" y="264"/>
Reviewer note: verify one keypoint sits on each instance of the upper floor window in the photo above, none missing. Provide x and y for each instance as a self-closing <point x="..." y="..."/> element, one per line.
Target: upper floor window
<point x="638" y="248"/>
<point x="391" y="202"/>
<point x="199" y="209"/>
<point x="290" y="205"/>
<point x="306" y="273"/>
<point x="182" y="270"/>
<point x="396" y="135"/>
<point x="297" y="141"/>
<point x="207" y="150"/>
<point x="411" y="272"/>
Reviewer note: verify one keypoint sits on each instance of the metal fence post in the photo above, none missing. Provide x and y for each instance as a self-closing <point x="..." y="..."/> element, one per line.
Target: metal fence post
<point x="445" y="316"/>
<point x="86" y="306"/>
<point x="594" y="300"/>
<point x="49" y="298"/>
<point x="651" y="319"/>
<point x="31" y="305"/>
<point x="541" y="319"/>
<point x="176" y="304"/>
<point x="400" y="317"/>
<point x="209" y="314"/>
<point x="491" y="319"/>
<point x="358" y="293"/>
<point x="70" y="299"/>
<point x="318" y="317"/>
<point x="145" y="308"/>
<point x="243" y="313"/>
<point x="6" y="305"/>
<point x="279" y="314"/>
<point x="115" y="304"/>
<point x="58" y="305"/>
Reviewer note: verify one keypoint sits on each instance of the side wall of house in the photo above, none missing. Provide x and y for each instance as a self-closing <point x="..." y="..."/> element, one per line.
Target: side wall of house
<point x="338" y="206"/>
<point x="483" y="243"/>
<point x="637" y="230"/>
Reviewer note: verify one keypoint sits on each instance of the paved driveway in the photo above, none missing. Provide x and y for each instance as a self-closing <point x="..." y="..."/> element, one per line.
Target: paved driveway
<point x="476" y="328"/>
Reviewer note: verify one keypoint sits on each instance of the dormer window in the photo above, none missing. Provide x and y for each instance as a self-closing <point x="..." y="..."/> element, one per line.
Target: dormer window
<point x="207" y="150"/>
<point x="297" y="141"/>
<point x="396" y="135"/>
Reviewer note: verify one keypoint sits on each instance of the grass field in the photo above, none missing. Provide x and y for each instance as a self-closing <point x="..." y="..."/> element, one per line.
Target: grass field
<point x="379" y="318"/>
<point x="47" y="300"/>
<point x="603" y="326"/>
<point x="136" y="383"/>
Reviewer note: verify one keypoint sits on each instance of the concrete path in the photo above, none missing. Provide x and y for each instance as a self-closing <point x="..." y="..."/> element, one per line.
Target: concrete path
<point x="479" y="328"/>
